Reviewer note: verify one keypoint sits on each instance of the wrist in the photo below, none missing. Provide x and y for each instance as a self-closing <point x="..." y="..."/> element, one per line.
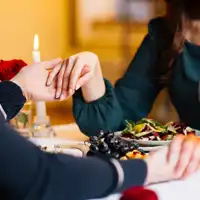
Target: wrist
<point x="89" y="89"/>
<point x="96" y="77"/>
<point x="150" y="174"/>
<point x="21" y="84"/>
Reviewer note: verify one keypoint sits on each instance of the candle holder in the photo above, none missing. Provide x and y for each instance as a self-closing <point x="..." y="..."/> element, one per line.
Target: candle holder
<point x="42" y="127"/>
<point x="22" y="121"/>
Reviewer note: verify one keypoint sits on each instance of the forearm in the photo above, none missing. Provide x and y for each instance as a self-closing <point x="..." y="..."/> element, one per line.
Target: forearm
<point x="28" y="173"/>
<point x="91" y="178"/>
<point x="103" y="114"/>
<point x="95" y="88"/>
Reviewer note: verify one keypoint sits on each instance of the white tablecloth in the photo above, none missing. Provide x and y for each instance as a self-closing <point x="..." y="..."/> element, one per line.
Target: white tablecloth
<point x="177" y="190"/>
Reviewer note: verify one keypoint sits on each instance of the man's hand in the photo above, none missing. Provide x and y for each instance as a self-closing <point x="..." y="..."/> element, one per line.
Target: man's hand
<point x="32" y="80"/>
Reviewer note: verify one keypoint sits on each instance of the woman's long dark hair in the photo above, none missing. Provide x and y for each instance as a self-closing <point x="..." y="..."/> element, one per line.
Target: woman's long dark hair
<point x="176" y="9"/>
<point x="175" y="42"/>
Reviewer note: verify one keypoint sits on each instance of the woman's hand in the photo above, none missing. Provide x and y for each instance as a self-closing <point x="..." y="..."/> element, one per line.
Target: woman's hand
<point x="188" y="149"/>
<point x="176" y="161"/>
<point x="79" y="71"/>
<point x="32" y="80"/>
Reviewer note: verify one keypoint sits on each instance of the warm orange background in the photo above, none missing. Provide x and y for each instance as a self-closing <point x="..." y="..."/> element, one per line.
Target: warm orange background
<point x="100" y="32"/>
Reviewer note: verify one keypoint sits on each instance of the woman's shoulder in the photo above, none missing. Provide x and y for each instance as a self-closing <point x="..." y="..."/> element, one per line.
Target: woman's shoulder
<point x="159" y="32"/>
<point x="158" y="28"/>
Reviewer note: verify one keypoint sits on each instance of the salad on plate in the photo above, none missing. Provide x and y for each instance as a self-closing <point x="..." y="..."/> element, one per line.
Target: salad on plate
<point x="151" y="130"/>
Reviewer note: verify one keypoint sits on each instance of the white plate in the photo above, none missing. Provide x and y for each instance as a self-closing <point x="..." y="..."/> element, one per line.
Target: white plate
<point x="146" y="149"/>
<point x="153" y="143"/>
<point x="144" y="143"/>
<point x="51" y="142"/>
<point x="119" y="134"/>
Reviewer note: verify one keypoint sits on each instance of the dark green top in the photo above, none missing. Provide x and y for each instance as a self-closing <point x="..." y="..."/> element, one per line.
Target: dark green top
<point x="134" y="94"/>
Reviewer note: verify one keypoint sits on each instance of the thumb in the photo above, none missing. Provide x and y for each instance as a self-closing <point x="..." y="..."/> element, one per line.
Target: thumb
<point x="52" y="63"/>
<point x="85" y="70"/>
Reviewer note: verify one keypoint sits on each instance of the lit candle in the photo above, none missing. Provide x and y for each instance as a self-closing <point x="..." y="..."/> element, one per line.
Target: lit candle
<point x="36" y="52"/>
<point x="40" y="105"/>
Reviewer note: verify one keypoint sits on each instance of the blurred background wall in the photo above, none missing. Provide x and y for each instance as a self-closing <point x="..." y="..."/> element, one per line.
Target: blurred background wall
<point x="21" y="19"/>
<point x="111" y="28"/>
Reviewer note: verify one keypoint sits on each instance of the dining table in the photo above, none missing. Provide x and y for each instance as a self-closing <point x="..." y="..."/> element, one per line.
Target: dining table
<point x="187" y="189"/>
<point x="175" y="190"/>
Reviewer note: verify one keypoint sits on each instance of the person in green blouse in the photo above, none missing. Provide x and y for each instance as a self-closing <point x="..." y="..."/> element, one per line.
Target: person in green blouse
<point x="169" y="56"/>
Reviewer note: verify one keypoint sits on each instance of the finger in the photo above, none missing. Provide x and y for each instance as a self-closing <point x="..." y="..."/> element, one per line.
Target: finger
<point x="54" y="73"/>
<point x="194" y="161"/>
<point x="55" y="83"/>
<point x="75" y="74"/>
<point x="66" y="78"/>
<point x="185" y="155"/>
<point x="52" y="63"/>
<point x="84" y="77"/>
<point x="60" y="80"/>
<point x="175" y="148"/>
<point x="85" y="70"/>
<point x="83" y="80"/>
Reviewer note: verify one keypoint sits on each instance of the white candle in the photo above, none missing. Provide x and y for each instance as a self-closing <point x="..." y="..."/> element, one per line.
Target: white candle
<point x="40" y="105"/>
<point x="36" y="52"/>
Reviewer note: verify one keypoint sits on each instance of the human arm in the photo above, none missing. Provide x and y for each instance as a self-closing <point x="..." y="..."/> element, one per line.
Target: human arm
<point x="23" y="86"/>
<point x="95" y="105"/>
<point x="28" y="173"/>
<point x="132" y="98"/>
<point x="89" y="89"/>
<point x="137" y="89"/>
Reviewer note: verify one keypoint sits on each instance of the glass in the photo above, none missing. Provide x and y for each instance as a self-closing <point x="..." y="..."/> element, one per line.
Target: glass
<point x="42" y="128"/>
<point x="22" y="122"/>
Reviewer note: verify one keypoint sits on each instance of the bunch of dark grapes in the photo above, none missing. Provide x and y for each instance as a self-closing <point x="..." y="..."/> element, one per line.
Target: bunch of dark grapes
<point x="110" y="145"/>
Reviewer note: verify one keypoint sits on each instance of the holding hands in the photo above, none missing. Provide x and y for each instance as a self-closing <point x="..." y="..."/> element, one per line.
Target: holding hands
<point x="74" y="73"/>
<point x="59" y="79"/>
<point x="32" y="80"/>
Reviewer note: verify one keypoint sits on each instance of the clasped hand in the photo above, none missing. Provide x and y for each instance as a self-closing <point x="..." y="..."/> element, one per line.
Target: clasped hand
<point x="57" y="79"/>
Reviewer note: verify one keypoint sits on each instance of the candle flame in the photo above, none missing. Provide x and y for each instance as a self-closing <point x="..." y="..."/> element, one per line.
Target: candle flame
<point x="36" y="42"/>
